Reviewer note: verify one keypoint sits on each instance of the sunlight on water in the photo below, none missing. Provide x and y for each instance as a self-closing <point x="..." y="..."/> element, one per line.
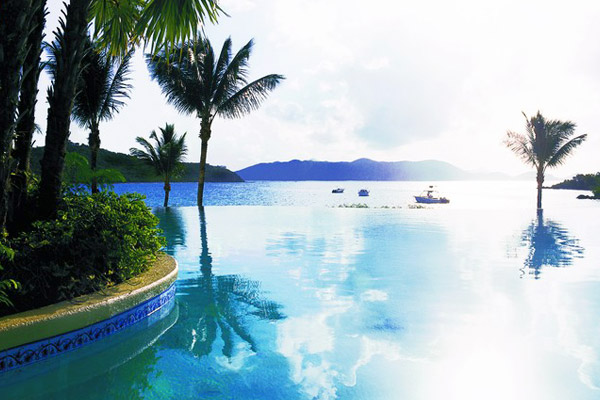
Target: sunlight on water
<point x="329" y="303"/>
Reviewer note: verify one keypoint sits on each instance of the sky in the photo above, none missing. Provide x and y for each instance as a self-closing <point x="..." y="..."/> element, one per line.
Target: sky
<point x="388" y="80"/>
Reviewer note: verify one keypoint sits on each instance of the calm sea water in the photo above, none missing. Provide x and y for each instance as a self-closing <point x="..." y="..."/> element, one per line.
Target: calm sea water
<point x="467" y="195"/>
<point x="481" y="299"/>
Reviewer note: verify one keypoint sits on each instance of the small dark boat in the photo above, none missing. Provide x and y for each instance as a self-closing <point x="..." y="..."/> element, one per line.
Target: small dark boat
<point x="431" y="196"/>
<point x="338" y="190"/>
<point x="363" y="192"/>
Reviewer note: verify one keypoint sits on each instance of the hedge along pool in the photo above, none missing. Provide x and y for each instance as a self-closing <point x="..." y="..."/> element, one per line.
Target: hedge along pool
<point x="304" y="303"/>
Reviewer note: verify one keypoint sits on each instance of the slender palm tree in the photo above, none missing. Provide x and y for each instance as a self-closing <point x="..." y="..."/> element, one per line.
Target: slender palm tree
<point x="14" y="27"/>
<point x="118" y="25"/>
<point x="165" y="156"/>
<point x="102" y="88"/>
<point x="197" y="82"/>
<point x="546" y="144"/>
<point x="25" y="126"/>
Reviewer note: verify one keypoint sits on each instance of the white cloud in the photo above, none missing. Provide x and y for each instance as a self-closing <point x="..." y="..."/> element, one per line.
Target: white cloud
<point x="391" y="81"/>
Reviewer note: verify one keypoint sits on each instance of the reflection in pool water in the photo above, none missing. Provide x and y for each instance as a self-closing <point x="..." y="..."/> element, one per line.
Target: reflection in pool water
<point x="549" y="245"/>
<point x="317" y="303"/>
<point x="220" y="303"/>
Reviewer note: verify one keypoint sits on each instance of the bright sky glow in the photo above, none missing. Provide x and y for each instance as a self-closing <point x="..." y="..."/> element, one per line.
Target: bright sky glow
<point x="391" y="81"/>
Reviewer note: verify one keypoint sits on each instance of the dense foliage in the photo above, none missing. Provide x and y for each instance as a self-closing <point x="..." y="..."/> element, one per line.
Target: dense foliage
<point x="6" y="285"/>
<point x="580" y="182"/>
<point x="96" y="240"/>
<point x="135" y="170"/>
<point x="78" y="173"/>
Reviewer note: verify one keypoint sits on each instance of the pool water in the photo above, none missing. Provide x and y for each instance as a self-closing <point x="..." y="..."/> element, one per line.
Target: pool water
<point x="327" y="303"/>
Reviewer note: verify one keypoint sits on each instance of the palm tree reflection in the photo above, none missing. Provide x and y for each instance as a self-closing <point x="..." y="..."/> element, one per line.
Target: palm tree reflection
<point x="549" y="245"/>
<point x="172" y="225"/>
<point x="222" y="304"/>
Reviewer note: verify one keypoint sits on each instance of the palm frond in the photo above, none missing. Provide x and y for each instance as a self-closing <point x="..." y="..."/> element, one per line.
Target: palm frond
<point x="118" y="86"/>
<point x="250" y="97"/>
<point x="115" y="23"/>
<point x="520" y="145"/>
<point x="235" y="76"/>
<point x="178" y="79"/>
<point x="164" y="23"/>
<point x="546" y="143"/>
<point x="565" y="150"/>
<point x="224" y="60"/>
<point x="55" y="49"/>
<point x="91" y="88"/>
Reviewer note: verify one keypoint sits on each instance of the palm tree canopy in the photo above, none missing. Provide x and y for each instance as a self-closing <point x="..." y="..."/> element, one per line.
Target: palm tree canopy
<point x="166" y="154"/>
<point x="546" y="143"/>
<point x="160" y="23"/>
<point x="194" y="80"/>
<point x="103" y="86"/>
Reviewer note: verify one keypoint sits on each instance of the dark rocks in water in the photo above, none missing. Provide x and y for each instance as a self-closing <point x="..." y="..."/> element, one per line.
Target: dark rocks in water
<point x="585" y="196"/>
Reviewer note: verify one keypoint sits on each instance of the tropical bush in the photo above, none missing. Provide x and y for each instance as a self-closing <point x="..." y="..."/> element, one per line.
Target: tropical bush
<point x="96" y="240"/>
<point x="78" y="174"/>
<point x="6" y="285"/>
<point x="579" y="182"/>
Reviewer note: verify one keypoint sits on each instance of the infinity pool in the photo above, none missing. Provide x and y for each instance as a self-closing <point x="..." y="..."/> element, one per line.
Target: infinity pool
<point x="318" y="303"/>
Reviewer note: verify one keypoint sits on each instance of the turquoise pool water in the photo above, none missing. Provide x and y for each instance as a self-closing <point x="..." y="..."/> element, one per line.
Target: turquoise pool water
<point x="322" y="303"/>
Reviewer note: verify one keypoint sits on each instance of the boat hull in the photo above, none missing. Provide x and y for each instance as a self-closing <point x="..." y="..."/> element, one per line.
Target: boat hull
<point x="431" y="200"/>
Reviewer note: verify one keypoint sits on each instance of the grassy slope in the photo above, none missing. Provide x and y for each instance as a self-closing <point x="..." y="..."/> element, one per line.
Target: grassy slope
<point x="135" y="170"/>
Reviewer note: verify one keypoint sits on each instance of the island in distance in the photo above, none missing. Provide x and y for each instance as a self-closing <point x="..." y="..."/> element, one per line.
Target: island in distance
<point x="135" y="170"/>
<point x="365" y="169"/>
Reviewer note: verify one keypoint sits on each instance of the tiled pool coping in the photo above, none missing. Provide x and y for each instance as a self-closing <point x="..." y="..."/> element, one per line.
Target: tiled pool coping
<point x="48" y="331"/>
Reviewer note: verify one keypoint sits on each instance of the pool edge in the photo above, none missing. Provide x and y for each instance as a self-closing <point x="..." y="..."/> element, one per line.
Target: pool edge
<point x="133" y="300"/>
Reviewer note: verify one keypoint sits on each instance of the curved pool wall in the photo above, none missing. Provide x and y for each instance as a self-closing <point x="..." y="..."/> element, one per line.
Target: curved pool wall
<point x="37" y="335"/>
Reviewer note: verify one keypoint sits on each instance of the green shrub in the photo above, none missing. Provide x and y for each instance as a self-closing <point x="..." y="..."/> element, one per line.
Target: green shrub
<point x="6" y="285"/>
<point x="78" y="174"/>
<point x="96" y="240"/>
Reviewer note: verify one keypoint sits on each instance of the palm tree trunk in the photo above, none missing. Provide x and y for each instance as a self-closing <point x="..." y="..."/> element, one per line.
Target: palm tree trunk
<point x="204" y="136"/>
<point x="15" y="17"/>
<point x="94" y="142"/>
<point x="167" y="188"/>
<point x="540" y="182"/>
<point x="205" y="257"/>
<point x="26" y="124"/>
<point x="60" y="100"/>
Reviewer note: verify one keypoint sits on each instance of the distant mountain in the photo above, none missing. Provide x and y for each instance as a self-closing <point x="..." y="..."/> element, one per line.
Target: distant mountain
<point x="136" y="171"/>
<point x="362" y="170"/>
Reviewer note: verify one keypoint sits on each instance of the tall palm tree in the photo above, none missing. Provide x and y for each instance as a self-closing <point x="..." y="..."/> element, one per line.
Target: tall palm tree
<point x="118" y="25"/>
<point x="102" y="88"/>
<point x="25" y="126"/>
<point x="165" y="156"/>
<point x="195" y="81"/>
<point x="546" y="144"/>
<point x="14" y="27"/>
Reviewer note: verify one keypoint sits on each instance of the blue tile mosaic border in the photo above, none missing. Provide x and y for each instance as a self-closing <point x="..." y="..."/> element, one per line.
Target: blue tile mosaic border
<point x="20" y="356"/>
